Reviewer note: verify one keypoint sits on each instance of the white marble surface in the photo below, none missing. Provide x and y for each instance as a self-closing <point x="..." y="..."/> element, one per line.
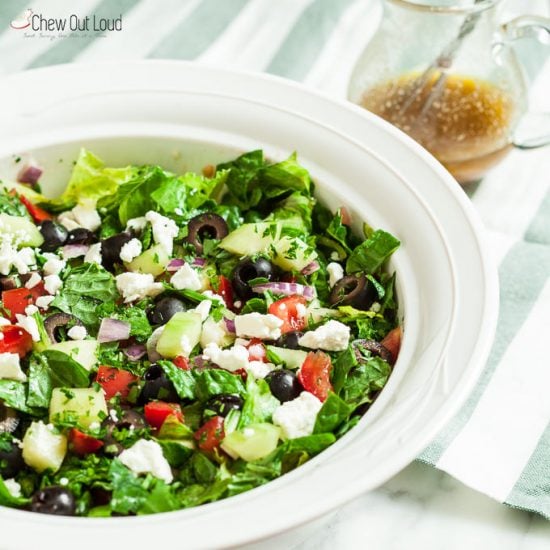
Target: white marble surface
<point x="421" y="508"/>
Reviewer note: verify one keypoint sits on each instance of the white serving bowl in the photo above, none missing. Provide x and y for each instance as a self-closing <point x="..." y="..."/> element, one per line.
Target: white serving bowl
<point x="183" y="116"/>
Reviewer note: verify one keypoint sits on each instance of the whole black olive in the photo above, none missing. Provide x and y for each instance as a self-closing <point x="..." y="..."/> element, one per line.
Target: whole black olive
<point x="289" y="340"/>
<point x="157" y="386"/>
<point x="55" y="500"/>
<point x="249" y="269"/>
<point x="80" y="235"/>
<point x="164" y="309"/>
<point x="11" y="460"/>
<point x="111" y="247"/>
<point x="209" y="226"/>
<point x="223" y="404"/>
<point x="55" y="235"/>
<point x="125" y="420"/>
<point x="352" y="290"/>
<point x="284" y="385"/>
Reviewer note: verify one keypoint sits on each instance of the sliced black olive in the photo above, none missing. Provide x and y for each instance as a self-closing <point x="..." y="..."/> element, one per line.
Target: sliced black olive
<point x="80" y="235"/>
<point x="111" y="247"/>
<point x="247" y="270"/>
<point x="8" y="419"/>
<point x="361" y="409"/>
<point x="57" y="320"/>
<point x="55" y="235"/>
<point x="352" y="290"/>
<point x="289" y="340"/>
<point x="9" y="283"/>
<point x="157" y="386"/>
<point x="11" y="460"/>
<point x="209" y="226"/>
<point x="126" y="419"/>
<point x="223" y="404"/>
<point x="284" y="385"/>
<point x="55" y="500"/>
<point x="164" y="309"/>
<point x="374" y="347"/>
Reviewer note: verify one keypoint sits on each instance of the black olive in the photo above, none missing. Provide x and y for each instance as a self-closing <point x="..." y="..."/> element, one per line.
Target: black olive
<point x="55" y="235"/>
<point x="164" y="309"/>
<point x="210" y="226"/>
<point x="376" y="348"/>
<point x="126" y="419"/>
<point x="289" y="340"/>
<point x="361" y="409"/>
<point x="53" y="322"/>
<point x="157" y="386"/>
<point x="249" y="269"/>
<point x="111" y="247"/>
<point x="55" y="500"/>
<point x="352" y="290"/>
<point x="223" y="404"/>
<point x="11" y="460"/>
<point x="284" y="385"/>
<point x="80" y="235"/>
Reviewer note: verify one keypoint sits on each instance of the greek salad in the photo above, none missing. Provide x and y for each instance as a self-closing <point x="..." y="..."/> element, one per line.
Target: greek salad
<point x="171" y="340"/>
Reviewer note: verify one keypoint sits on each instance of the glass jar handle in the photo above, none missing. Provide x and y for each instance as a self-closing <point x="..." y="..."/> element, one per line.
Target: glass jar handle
<point x="532" y="131"/>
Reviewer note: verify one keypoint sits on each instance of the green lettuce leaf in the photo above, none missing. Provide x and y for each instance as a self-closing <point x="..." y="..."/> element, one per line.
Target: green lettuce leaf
<point x="259" y="403"/>
<point x="372" y="253"/>
<point x="364" y="380"/>
<point x="333" y="413"/>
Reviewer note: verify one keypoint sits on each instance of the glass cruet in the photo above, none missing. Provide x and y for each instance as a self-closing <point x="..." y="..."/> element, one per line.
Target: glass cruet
<point x="448" y="74"/>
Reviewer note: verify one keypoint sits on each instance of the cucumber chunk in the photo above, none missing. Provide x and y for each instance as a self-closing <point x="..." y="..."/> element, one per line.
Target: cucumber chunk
<point x="292" y="358"/>
<point x="82" y="351"/>
<point x="251" y="238"/>
<point x="180" y="335"/>
<point x="43" y="448"/>
<point x="292" y="254"/>
<point x="85" y="406"/>
<point x="253" y="442"/>
<point x="22" y="231"/>
<point x="153" y="261"/>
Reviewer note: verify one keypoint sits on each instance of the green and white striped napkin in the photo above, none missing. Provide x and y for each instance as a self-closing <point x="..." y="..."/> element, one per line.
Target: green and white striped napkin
<point x="499" y="443"/>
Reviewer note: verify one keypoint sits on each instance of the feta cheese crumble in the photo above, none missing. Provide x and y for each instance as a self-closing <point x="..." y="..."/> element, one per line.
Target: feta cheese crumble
<point x="83" y="214"/>
<point x="136" y="286"/>
<point x="33" y="280"/>
<point x="332" y="336"/>
<point x="335" y="273"/>
<point x="93" y="256"/>
<point x="43" y="302"/>
<point x="186" y="278"/>
<point x="130" y="250"/>
<point x="13" y="487"/>
<point x="11" y="257"/>
<point x="257" y="325"/>
<point x="203" y="309"/>
<point x="145" y="457"/>
<point x="28" y="324"/>
<point x="231" y="359"/>
<point x="137" y="224"/>
<point x="77" y="333"/>
<point x="259" y="369"/>
<point x="296" y="418"/>
<point x="164" y="230"/>
<point x="10" y="369"/>
<point x="54" y="264"/>
<point x="52" y="284"/>
<point x="213" y="332"/>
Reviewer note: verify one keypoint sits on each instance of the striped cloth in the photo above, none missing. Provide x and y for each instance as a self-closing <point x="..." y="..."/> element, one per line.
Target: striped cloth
<point x="499" y="443"/>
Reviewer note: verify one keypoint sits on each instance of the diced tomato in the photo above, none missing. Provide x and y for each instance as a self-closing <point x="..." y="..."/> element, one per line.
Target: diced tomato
<point x="15" y="340"/>
<point x="256" y="350"/>
<point x="225" y="290"/>
<point x="156" y="412"/>
<point x="181" y="362"/>
<point x="314" y="374"/>
<point x="83" y="444"/>
<point x="211" y="434"/>
<point x="15" y="301"/>
<point x="115" y="381"/>
<point x="38" y="214"/>
<point x="286" y="309"/>
<point x="392" y="342"/>
<point x="242" y="373"/>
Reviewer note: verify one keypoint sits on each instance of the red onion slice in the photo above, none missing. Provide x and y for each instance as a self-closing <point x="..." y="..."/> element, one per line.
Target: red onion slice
<point x="310" y="268"/>
<point x="229" y="325"/>
<point x="113" y="330"/>
<point x="135" y="352"/>
<point x="29" y="174"/>
<point x="287" y="289"/>
<point x="175" y="264"/>
<point x="199" y="262"/>
<point x="70" y="251"/>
